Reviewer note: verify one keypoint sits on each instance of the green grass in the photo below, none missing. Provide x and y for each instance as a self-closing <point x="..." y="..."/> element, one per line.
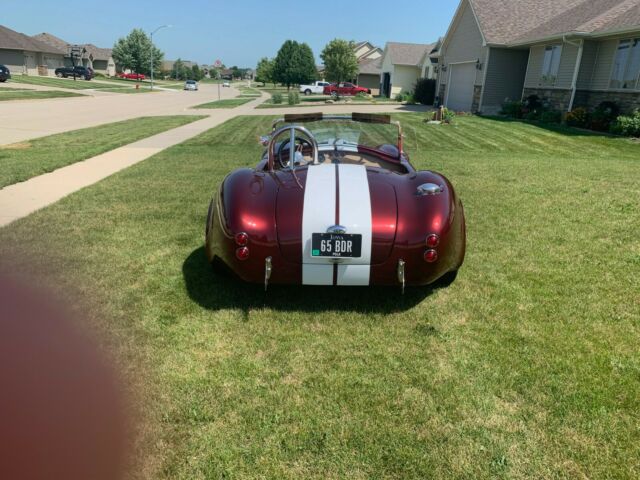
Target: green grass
<point x="69" y="83"/>
<point x="228" y="103"/>
<point x="21" y="161"/>
<point x="21" y="94"/>
<point x="526" y="367"/>
<point x="129" y="90"/>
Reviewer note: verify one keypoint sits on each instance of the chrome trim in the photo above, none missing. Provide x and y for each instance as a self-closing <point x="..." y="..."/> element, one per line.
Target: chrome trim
<point x="429" y="189"/>
<point x="293" y="128"/>
<point x="337" y="229"/>
<point x="267" y="272"/>
<point x="401" y="276"/>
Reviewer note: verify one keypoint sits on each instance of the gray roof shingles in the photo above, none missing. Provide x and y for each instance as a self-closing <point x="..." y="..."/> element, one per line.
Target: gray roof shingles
<point x="12" y="40"/>
<point x="407" y="53"/>
<point x="506" y="22"/>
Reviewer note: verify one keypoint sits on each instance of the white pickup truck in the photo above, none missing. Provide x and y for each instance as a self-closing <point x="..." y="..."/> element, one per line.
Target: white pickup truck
<point x="315" y="87"/>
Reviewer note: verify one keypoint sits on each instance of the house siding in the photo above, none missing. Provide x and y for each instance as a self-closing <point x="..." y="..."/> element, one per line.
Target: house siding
<point x="601" y="78"/>
<point x="404" y="79"/>
<point x="13" y="59"/>
<point x="464" y="44"/>
<point x="505" y="77"/>
<point x="589" y="59"/>
<point x="566" y="69"/>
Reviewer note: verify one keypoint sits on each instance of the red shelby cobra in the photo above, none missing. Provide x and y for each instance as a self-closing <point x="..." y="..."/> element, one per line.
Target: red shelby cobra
<point x="335" y="202"/>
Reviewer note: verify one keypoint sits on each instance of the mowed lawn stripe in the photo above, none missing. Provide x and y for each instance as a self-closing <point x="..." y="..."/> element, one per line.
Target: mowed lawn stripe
<point x="24" y="94"/>
<point x="24" y="160"/>
<point x="227" y="103"/>
<point x="526" y="367"/>
<point x="78" y="84"/>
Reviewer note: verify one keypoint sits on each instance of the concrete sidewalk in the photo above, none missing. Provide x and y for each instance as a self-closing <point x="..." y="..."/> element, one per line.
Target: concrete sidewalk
<point x="22" y="199"/>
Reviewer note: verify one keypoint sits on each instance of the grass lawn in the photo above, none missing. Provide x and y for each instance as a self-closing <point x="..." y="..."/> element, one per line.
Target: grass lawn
<point x="526" y="367"/>
<point x="144" y="89"/>
<point x="228" y="103"/>
<point x="21" y="161"/>
<point x="23" y="94"/>
<point x="78" y="84"/>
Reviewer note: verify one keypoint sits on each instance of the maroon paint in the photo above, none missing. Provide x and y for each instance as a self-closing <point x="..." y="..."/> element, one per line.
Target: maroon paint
<point x="268" y="206"/>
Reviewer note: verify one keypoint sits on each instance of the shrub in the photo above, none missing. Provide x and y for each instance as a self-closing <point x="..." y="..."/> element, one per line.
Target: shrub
<point x="425" y="91"/>
<point x="448" y="115"/>
<point x="400" y="97"/>
<point x="578" y="117"/>
<point x="604" y="115"/>
<point x="551" y="116"/>
<point x="531" y="103"/>
<point x="512" y="109"/>
<point x="293" y="98"/>
<point x="361" y="96"/>
<point x="276" y="98"/>
<point x="532" y="115"/>
<point x="628" y="125"/>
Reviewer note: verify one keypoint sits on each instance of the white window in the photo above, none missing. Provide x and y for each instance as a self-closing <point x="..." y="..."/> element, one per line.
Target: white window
<point x="626" y="66"/>
<point x="551" y="64"/>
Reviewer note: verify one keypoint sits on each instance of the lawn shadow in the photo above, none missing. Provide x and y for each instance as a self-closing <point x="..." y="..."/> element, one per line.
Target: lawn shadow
<point x="552" y="127"/>
<point x="215" y="291"/>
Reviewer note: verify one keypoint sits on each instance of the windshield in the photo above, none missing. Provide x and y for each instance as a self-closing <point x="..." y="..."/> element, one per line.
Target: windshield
<point x="347" y="134"/>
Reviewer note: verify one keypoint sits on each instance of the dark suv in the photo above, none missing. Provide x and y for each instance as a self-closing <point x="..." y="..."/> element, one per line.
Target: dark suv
<point x="77" y="71"/>
<point x="5" y="74"/>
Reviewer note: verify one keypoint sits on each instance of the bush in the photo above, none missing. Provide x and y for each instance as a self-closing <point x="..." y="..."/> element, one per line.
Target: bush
<point x="512" y="109"/>
<point x="604" y="115"/>
<point x="551" y="116"/>
<point x="425" y="91"/>
<point x="448" y="115"/>
<point x="293" y="98"/>
<point x="531" y="103"/>
<point x="276" y="98"/>
<point x="400" y="97"/>
<point x="578" y="117"/>
<point x="361" y="96"/>
<point x="533" y="115"/>
<point x="627" y="125"/>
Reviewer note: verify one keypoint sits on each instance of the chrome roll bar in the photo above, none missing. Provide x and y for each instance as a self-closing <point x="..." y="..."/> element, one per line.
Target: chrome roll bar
<point x="292" y="144"/>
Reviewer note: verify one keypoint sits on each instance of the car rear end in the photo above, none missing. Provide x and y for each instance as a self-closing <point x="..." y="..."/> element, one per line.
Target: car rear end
<point x="5" y="74"/>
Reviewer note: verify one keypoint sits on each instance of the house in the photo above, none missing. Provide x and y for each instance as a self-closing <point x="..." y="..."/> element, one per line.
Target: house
<point x="366" y="51"/>
<point x="567" y="52"/>
<point x="99" y="59"/>
<point x="26" y="55"/>
<point x="369" y="75"/>
<point x="402" y="64"/>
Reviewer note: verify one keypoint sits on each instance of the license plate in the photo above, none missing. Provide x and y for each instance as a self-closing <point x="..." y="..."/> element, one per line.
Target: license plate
<point x="336" y="245"/>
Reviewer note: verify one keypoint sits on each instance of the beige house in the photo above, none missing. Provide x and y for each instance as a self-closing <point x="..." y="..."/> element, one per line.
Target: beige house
<point x="24" y="55"/>
<point x="366" y="51"/>
<point x="402" y="64"/>
<point x="368" y="56"/>
<point x="99" y="59"/>
<point x="568" y="52"/>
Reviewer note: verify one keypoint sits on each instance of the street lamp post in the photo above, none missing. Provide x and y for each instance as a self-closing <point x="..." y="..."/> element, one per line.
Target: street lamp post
<point x="161" y="26"/>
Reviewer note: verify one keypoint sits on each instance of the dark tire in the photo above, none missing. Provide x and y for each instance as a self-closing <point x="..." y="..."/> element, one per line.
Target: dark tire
<point x="446" y="280"/>
<point x="59" y="75"/>
<point x="307" y="92"/>
<point x="2" y="80"/>
<point x="334" y="94"/>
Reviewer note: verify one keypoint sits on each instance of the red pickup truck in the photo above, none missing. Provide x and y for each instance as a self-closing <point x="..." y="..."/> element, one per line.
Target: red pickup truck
<point x="345" y="89"/>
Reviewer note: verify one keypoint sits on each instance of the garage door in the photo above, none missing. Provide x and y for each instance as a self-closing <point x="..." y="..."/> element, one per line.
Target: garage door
<point x="461" y="83"/>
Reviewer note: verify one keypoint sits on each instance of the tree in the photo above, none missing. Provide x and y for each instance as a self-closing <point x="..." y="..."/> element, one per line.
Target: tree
<point x="294" y="64"/>
<point x="196" y="73"/>
<point x="179" y="70"/>
<point x="264" y="71"/>
<point x="340" y="62"/>
<point x="134" y="52"/>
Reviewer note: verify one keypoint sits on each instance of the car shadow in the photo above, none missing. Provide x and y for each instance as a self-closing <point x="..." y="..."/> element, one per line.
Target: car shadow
<point x="215" y="291"/>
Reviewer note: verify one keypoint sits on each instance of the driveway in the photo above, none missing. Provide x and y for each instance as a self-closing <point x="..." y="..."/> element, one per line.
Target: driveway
<point x="32" y="119"/>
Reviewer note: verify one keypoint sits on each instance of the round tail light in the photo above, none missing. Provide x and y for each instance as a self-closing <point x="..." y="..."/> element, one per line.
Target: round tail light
<point x="430" y="256"/>
<point x="242" y="239"/>
<point x="433" y="240"/>
<point x="242" y="253"/>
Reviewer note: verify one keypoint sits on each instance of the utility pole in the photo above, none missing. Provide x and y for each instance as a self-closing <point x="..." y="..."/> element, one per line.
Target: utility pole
<point x="161" y="26"/>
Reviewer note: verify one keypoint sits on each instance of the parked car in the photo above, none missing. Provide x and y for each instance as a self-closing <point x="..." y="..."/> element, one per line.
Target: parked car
<point x="226" y="84"/>
<point x="315" y="87"/>
<point x="191" y="85"/>
<point x="5" y="74"/>
<point x="132" y="76"/>
<point x="77" y="71"/>
<point x="335" y="201"/>
<point x="344" y="88"/>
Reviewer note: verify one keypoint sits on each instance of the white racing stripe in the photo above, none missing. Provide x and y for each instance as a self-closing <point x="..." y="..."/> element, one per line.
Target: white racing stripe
<point x="355" y="215"/>
<point x="319" y="213"/>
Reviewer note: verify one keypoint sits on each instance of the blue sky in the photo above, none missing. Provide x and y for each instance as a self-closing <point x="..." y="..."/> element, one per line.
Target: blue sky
<point x="238" y="32"/>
